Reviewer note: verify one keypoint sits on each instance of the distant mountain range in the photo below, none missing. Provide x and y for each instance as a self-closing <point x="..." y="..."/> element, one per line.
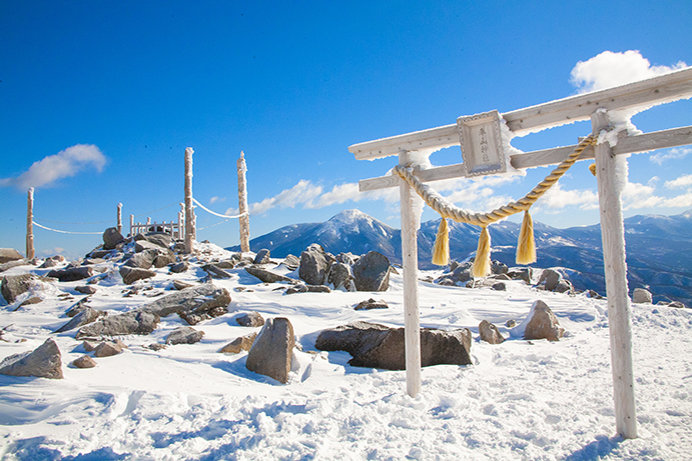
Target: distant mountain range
<point x="659" y="248"/>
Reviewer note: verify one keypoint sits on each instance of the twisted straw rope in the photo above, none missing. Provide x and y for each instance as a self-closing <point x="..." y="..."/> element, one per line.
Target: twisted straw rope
<point x="449" y="210"/>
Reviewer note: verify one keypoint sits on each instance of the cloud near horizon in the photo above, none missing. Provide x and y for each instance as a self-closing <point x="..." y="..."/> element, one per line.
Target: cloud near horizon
<point x="609" y="69"/>
<point x="52" y="168"/>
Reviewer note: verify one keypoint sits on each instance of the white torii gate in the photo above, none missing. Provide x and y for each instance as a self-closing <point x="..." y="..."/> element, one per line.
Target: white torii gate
<point x="467" y="133"/>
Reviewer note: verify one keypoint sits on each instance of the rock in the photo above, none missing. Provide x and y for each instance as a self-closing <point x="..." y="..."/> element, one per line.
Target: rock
<point x="180" y="285"/>
<point x="496" y="267"/>
<point x="371" y="304"/>
<point x="215" y="272"/>
<point x="542" y="323"/>
<point x="77" y="307"/>
<point x="84" y="362"/>
<point x="132" y="274"/>
<point x="99" y="253"/>
<point x="642" y="296"/>
<point x="178" y="268"/>
<point x="251" y="319"/>
<point x="163" y="260"/>
<point x="564" y="286"/>
<point x="340" y="277"/>
<point x="89" y="346"/>
<point x="677" y="304"/>
<point x="9" y="254"/>
<point x="144" y="259"/>
<point x="156" y="346"/>
<point x="298" y="288"/>
<point x="43" y="362"/>
<point x="314" y="265"/>
<point x="92" y="261"/>
<point x="134" y="322"/>
<point x="86" y="289"/>
<point x="347" y="258"/>
<point x="32" y="300"/>
<point x="184" y="335"/>
<point x="241" y="343"/>
<point x="262" y="257"/>
<point x="48" y="263"/>
<point x="371" y="272"/>
<point x="107" y="349"/>
<point x="499" y="286"/>
<point x="12" y="286"/>
<point x="462" y="274"/>
<point x="523" y="273"/>
<point x="551" y="278"/>
<point x="159" y="239"/>
<point x="272" y="351"/>
<point x="141" y="245"/>
<point x="226" y="264"/>
<point x="267" y="276"/>
<point x="87" y="315"/>
<point x="593" y="294"/>
<point x="192" y="304"/>
<point x="489" y="333"/>
<point x="378" y="346"/>
<point x="318" y="289"/>
<point x="10" y="264"/>
<point x="292" y="262"/>
<point x="72" y="274"/>
<point x="511" y="323"/>
<point x="111" y="238"/>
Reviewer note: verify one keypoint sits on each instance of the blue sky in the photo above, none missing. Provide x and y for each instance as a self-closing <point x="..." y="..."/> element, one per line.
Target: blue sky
<point x="293" y="84"/>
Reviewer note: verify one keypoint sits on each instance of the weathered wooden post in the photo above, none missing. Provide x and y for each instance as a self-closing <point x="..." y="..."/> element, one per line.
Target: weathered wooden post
<point x="132" y="225"/>
<point x="189" y="212"/>
<point x="244" y="219"/>
<point x="619" y="321"/>
<point x="30" y="224"/>
<point x="119" y="222"/>
<point x="182" y="218"/>
<point x="409" y="251"/>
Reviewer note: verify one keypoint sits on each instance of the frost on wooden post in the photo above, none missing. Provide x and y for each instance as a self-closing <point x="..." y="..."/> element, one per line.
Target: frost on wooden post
<point x="482" y="146"/>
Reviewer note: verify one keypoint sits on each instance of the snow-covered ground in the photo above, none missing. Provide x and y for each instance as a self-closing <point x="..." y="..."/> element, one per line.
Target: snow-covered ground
<point x="519" y="400"/>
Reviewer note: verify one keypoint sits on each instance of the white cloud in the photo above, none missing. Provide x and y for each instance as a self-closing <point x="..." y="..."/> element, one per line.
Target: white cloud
<point x="216" y="199"/>
<point x="675" y="153"/>
<point x="557" y="198"/>
<point x="610" y="69"/>
<point x="682" y="181"/>
<point x="303" y="193"/>
<point x="64" y="164"/>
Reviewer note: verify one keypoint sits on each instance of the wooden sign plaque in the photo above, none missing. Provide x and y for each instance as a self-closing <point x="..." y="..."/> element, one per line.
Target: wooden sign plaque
<point x="481" y="143"/>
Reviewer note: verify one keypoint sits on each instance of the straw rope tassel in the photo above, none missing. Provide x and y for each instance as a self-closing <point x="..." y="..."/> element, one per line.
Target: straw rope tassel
<point x="481" y="265"/>
<point x="526" y="245"/>
<point x="441" y="248"/>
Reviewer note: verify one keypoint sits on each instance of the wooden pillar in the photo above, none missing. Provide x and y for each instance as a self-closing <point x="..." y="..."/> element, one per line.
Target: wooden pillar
<point x="179" y="235"/>
<point x="244" y="220"/>
<point x="182" y="220"/>
<point x="119" y="222"/>
<point x="30" y="253"/>
<point x="619" y="317"/>
<point x="409" y="251"/>
<point x="132" y="225"/>
<point x="189" y="216"/>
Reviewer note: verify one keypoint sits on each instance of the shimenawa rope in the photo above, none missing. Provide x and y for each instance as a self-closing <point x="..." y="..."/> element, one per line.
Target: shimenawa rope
<point x="526" y="248"/>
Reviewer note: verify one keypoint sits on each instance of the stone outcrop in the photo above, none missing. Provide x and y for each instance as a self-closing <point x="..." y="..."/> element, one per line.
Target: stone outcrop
<point x="192" y="304"/>
<point x="262" y="257"/>
<point x="43" y="362"/>
<point x="542" y="323"/>
<point x="340" y="277"/>
<point x="84" y="317"/>
<point x="9" y="254"/>
<point x="12" y="286"/>
<point x="272" y="351"/>
<point x="378" y="346"/>
<point x="642" y="296"/>
<point x="489" y="333"/>
<point x="184" y="335"/>
<point x="371" y="272"/>
<point x="72" y="274"/>
<point x="267" y="276"/>
<point x="292" y="262"/>
<point x="250" y="319"/>
<point x="111" y="238"/>
<point x="241" y="343"/>
<point x="132" y="274"/>
<point x="135" y="322"/>
<point x="179" y="267"/>
<point x="314" y="265"/>
<point x="216" y="272"/>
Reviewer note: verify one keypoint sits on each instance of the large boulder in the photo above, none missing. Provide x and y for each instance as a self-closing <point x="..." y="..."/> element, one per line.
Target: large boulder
<point x="489" y="333"/>
<point x="142" y="245"/>
<point x="84" y="317"/>
<point x="184" y="335"/>
<point x="162" y="240"/>
<point x="272" y="351"/>
<point x="44" y="362"/>
<point x="292" y="262"/>
<point x="144" y="259"/>
<point x="9" y="254"/>
<point x="267" y="276"/>
<point x="179" y="267"/>
<point x="262" y="257"/>
<point x="132" y="274"/>
<point x="193" y="304"/>
<point x="250" y="319"/>
<point x="72" y="274"/>
<point x="378" y="346"/>
<point x="84" y="362"/>
<point x="12" y="286"/>
<point x="371" y="272"/>
<point x="314" y="265"/>
<point x="135" y="322"/>
<point x="10" y="264"/>
<point x="642" y="296"/>
<point x="340" y="277"/>
<point x="111" y="238"/>
<point x="216" y="272"/>
<point x="542" y="323"/>
<point x="107" y="349"/>
<point x="550" y="279"/>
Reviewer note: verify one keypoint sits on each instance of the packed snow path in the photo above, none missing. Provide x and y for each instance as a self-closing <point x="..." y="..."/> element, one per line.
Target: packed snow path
<point x="520" y="400"/>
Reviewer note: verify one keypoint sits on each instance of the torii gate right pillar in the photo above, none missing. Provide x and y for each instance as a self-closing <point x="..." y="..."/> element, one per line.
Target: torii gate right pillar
<point x="619" y="309"/>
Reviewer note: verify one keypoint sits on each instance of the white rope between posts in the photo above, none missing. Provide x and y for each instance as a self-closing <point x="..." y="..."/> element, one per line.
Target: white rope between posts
<point x="217" y="214"/>
<point x="65" y="232"/>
